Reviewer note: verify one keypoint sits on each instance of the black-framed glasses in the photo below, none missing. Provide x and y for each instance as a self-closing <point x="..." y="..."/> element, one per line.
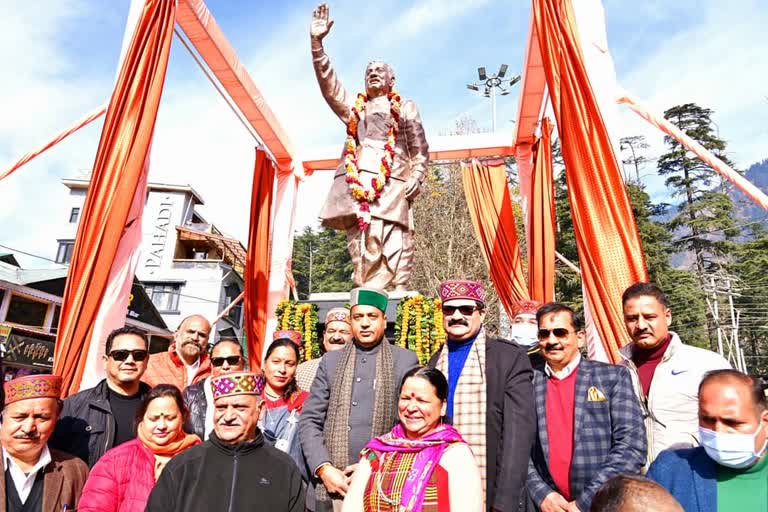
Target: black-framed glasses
<point x="219" y="361"/>
<point x="559" y="332"/>
<point x="122" y="355"/>
<point x="466" y="310"/>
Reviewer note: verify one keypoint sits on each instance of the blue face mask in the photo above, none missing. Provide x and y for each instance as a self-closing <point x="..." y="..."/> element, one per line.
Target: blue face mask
<point x="525" y="334"/>
<point x="731" y="450"/>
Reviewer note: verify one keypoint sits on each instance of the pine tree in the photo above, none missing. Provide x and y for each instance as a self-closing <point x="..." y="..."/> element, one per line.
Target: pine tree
<point x="321" y="262"/>
<point x="705" y="215"/>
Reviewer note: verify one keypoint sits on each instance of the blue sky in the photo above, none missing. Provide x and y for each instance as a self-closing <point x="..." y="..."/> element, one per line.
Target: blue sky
<point x="60" y="58"/>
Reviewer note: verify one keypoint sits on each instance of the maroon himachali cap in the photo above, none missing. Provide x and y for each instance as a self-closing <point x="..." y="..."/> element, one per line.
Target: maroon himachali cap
<point x="462" y="289"/>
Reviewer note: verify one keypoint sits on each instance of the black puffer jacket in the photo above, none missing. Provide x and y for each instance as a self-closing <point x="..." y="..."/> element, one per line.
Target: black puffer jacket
<point x="86" y="426"/>
<point x="194" y="397"/>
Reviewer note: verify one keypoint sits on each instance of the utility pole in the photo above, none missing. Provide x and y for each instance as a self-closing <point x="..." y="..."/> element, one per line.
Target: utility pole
<point x="309" y="292"/>
<point x="490" y="83"/>
<point x="714" y="307"/>
<point x="740" y="362"/>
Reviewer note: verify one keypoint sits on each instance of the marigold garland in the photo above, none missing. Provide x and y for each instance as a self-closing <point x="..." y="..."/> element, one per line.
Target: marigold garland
<point x="301" y="317"/>
<point x="419" y="326"/>
<point x="363" y="195"/>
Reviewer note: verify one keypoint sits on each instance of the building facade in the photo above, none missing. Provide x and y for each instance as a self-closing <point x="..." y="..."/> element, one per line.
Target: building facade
<point x="187" y="266"/>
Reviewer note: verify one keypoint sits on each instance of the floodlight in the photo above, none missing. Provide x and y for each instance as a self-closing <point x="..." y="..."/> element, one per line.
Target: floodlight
<point x="481" y="74"/>
<point x="473" y="87"/>
<point x="513" y="81"/>
<point x="502" y="71"/>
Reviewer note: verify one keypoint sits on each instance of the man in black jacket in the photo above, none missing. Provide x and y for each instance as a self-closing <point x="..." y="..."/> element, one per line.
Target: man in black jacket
<point x="235" y="470"/>
<point x="490" y="395"/>
<point x="226" y="357"/>
<point x="97" y="419"/>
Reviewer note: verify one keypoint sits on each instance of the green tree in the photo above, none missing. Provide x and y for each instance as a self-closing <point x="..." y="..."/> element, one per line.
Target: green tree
<point x="634" y="155"/>
<point x="321" y="262"/>
<point x="749" y="267"/>
<point x="705" y="214"/>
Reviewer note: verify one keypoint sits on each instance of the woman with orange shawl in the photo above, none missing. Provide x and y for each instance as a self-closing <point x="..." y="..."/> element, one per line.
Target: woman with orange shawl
<point x="123" y="478"/>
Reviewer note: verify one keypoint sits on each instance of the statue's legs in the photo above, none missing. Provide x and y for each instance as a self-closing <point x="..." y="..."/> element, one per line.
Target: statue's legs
<point x="379" y="254"/>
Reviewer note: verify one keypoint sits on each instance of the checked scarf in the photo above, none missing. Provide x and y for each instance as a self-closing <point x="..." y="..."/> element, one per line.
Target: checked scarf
<point x="469" y="400"/>
<point x="384" y="416"/>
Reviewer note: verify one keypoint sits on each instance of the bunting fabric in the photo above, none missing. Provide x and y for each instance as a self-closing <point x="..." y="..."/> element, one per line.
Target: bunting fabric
<point x="117" y="172"/>
<point x="610" y="253"/>
<point x="490" y="207"/>
<point x="257" y="261"/>
<point x="540" y="226"/>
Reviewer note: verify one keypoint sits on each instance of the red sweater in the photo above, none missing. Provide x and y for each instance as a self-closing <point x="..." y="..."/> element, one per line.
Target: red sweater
<point x="560" y="402"/>
<point x="646" y="362"/>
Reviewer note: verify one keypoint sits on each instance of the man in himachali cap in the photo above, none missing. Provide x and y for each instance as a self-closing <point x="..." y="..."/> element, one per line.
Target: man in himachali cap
<point x="337" y="333"/>
<point x="353" y="397"/>
<point x="490" y="394"/>
<point x="525" y="330"/>
<point x="235" y="469"/>
<point x="32" y="407"/>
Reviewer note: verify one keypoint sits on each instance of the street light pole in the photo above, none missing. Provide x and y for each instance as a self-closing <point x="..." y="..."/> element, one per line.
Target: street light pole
<point x="490" y="84"/>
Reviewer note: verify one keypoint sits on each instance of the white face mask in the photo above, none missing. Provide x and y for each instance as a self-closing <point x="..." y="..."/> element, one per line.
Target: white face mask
<point x="525" y="334"/>
<point x="731" y="450"/>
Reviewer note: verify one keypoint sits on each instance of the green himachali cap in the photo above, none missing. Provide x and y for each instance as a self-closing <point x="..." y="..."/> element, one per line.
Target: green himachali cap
<point x="369" y="297"/>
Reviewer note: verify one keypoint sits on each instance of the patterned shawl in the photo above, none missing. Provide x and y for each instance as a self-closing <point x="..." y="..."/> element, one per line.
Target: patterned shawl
<point x="429" y="447"/>
<point x="469" y="400"/>
<point x="339" y="405"/>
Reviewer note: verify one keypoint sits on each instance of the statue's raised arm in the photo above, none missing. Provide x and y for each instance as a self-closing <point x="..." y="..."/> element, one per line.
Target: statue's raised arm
<point x="333" y="91"/>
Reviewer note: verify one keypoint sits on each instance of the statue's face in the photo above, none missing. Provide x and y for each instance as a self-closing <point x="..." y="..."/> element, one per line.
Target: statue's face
<point x="379" y="79"/>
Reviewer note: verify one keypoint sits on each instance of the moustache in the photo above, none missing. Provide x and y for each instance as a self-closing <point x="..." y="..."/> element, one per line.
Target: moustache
<point x="457" y="322"/>
<point x="195" y="343"/>
<point x="336" y="341"/>
<point x="548" y="348"/>
<point x="30" y="437"/>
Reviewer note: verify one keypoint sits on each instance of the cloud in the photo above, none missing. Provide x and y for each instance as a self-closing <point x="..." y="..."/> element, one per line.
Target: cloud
<point x="718" y="63"/>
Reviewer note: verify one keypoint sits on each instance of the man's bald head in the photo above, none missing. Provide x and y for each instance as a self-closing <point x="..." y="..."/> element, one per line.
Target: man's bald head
<point x="191" y="338"/>
<point x="633" y="493"/>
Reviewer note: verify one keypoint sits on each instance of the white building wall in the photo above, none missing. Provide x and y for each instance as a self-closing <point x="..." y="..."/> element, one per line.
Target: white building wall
<point x="201" y="282"/>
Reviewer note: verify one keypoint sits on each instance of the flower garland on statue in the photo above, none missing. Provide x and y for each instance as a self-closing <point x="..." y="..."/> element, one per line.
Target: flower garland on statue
<point x="365" y="196"/>
<point x="302" y="318"/>
<point x="419" y="326"/>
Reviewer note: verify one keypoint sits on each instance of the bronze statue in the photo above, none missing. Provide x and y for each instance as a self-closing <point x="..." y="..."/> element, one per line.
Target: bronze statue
<point x="381" y="170"/>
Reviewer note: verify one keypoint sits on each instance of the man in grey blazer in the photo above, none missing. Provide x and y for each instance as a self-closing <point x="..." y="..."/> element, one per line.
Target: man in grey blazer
<point x="353" y="398"/>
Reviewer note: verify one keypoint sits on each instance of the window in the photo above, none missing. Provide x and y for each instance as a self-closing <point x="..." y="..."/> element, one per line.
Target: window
<point x="165" y="296"/>
<point x="64" y="254"/>
<point x="231" y="292"/>
<point x="74" y="215"/>
<point x="25" y="311"/>
<point x="56" y="317"/>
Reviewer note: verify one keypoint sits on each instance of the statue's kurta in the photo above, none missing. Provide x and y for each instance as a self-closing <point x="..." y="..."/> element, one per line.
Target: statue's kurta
<point x="387" y="258"/>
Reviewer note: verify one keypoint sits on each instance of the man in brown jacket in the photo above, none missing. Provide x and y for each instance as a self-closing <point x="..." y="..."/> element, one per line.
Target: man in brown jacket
<point x="186" y="361"/>
<point x="36" y="478"/>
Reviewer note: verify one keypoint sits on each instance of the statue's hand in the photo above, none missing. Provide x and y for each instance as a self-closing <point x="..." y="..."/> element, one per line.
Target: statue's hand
<point x="412" y="188"/>
<point x="321" y="23"/>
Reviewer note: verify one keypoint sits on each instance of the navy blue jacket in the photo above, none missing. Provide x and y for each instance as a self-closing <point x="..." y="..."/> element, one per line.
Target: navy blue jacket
<point x="608" y="435"/>
<point x="690" y="476"/>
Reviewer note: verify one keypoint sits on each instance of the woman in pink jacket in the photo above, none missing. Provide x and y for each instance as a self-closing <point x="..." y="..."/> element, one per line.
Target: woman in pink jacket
<point x="123" y="478"/>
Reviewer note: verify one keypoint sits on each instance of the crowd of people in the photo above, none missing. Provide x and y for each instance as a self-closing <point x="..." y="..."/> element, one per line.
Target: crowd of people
<point x="489" y="424"/>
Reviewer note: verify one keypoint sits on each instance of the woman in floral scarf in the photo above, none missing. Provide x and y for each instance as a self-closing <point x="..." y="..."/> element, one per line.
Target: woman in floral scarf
<point x="421" y="465"/>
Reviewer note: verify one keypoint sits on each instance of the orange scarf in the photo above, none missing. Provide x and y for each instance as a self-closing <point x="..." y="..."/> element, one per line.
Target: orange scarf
<point x="181" y="442"/>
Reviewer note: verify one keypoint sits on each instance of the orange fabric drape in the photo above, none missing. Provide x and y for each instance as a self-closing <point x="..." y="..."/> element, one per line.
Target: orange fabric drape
<point x="541" y="220"/>
<point x="55" y="140"/>
<point x="490" y="207"/>
<point x="117" y="170"/>
<point x="258" y="262"/>
<point x="609" y="247"/>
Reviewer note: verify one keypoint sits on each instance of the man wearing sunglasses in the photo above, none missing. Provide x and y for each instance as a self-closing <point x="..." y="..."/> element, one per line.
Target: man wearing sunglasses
<point x="226" y="357"/>
<point x="590" y="424"/>
<point x="97" y="419"/>
<point x="490" y="397"/>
